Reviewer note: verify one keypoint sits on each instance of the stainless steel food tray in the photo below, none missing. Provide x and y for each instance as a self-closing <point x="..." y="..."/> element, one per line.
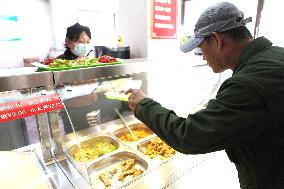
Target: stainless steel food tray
<point x="142" y="147"/>
<point x="134" y="126"/>
<point x="112" y="162"/>
<point x="82" y="166"/>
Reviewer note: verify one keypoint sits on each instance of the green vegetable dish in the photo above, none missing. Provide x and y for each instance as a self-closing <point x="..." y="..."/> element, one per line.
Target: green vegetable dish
<point x="51" y="64"/>
<point x="70" y="63"/>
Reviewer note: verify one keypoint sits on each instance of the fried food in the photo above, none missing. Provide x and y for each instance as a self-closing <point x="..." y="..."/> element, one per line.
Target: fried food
<point x="137" y="173"/>
<point x="157" y="147"/>
<point x="104" y="179"/>
<point x="128" y="165"/>
<point x="123" y="163"/>
<point x="113" y="171"/>
<point x="124" y="174"/>
<point x="124" y="169"/>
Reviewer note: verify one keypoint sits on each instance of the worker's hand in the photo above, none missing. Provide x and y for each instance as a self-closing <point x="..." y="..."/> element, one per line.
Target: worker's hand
<point x="136" y="95"/>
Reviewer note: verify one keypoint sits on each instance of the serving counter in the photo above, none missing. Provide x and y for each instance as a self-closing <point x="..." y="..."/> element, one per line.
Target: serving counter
<point x="80" y="144"/>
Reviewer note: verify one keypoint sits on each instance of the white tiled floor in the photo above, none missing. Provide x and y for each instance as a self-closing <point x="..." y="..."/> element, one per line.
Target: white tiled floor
<point x="216" y="172"/>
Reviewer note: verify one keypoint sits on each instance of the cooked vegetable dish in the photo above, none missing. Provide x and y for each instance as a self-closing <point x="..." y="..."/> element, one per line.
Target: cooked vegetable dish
<point x="142" y="133"/>
<point x="85" y="61"/>
<point x="91" y="150"/>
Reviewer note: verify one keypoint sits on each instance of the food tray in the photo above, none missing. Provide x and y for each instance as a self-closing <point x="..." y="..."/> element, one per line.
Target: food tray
<point x="134" y="127"/>
<point x="161" y="151"/>
<point x="46" y="68"/>
<point x="110" y="163"/>
<point x="91" y="142"/>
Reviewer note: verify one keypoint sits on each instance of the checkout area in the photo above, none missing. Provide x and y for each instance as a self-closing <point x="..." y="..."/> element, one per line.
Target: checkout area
<point x="74" y="137"/>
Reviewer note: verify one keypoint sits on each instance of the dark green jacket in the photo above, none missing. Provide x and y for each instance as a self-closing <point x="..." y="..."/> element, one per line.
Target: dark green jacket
<point x="246" y="119"/>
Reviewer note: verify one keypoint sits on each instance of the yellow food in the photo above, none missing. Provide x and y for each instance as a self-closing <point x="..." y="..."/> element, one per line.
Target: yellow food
<point x="124" y="169"/>
<point x="91" y="150"/>
<point x="104" y="179"/>
<point x="158" y="148"/>
<point x="138" y="134"/>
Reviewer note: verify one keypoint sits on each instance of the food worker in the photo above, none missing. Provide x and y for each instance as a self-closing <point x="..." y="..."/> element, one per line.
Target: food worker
<point x="246" y="119"/>
<point x="77" y="45"/>
<point x="77" y="42"/>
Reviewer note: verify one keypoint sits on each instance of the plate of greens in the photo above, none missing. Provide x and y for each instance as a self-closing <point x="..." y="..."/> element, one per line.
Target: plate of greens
<point x="51" y="64"/>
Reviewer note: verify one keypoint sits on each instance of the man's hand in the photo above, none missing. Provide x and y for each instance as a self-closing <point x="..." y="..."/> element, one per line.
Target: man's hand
<point x="136" y="95"/>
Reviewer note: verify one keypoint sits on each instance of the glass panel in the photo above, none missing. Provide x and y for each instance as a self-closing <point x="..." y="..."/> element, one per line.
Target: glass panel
<point x="183" y="88"/>
<point x="89" y="118"/>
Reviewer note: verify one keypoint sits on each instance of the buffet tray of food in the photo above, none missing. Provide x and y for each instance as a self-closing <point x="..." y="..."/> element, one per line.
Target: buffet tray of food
<point x="140" y="130"/>
<point x="113" y="159"/>
<point x="117" y="169"/>
<point x="53" y="64"/>
<point x="92" y="147"/>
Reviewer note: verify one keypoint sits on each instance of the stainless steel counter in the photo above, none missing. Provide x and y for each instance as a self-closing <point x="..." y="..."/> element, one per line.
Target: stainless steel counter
<point x="160" y="174"/>
<point x="170" y="173"/>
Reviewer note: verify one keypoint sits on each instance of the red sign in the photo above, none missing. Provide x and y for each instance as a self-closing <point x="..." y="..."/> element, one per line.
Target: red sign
<point x="23" y="108"/>
<point x="164" y="19"/>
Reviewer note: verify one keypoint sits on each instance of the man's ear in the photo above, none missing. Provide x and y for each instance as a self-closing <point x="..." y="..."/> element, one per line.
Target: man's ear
<point x="219" y="41"/>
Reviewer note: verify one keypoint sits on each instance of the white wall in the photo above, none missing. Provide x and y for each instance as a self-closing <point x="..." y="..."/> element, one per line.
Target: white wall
<point x="133" y="26"/>
<point x="42" y="25"/>
<point x="91" y="13"/>
<point x="160" y="49"/>
<point x="271" y="25"/>
<point x="34" y="29"/>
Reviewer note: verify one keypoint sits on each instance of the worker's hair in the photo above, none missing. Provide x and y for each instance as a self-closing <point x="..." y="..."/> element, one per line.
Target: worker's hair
<point x="238" y="34"/>
<point x="73" y="32"/>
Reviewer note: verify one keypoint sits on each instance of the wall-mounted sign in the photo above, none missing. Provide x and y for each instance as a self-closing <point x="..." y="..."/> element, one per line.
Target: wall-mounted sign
<point x="164" y="19"/>
<point x="23" y="108"/>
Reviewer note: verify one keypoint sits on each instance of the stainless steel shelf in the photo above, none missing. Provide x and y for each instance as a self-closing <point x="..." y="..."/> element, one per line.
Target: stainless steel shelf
<point x="70" y="76"/>
<point x="39" y="79"/>
<point x="24" y="81"/>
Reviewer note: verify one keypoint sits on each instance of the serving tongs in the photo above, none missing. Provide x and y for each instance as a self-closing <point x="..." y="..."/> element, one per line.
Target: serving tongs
<point x="125" y="124"/>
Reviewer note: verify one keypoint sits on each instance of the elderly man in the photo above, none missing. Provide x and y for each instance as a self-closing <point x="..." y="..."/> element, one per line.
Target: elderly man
<point x="247" y="117"/>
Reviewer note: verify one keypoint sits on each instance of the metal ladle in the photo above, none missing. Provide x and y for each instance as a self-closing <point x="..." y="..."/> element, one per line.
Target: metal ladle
<point x="125" y="124"/>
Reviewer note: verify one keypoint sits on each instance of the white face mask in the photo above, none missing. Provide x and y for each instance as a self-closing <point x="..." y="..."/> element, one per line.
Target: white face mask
<point x="81" y="49"/>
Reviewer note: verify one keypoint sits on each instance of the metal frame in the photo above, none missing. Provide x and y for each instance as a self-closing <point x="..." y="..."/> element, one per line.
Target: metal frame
<point x="25" y="81"/>
<point x="71" y="76"/>
<point x="47" y="123"/>
<point x="43" y="79"/>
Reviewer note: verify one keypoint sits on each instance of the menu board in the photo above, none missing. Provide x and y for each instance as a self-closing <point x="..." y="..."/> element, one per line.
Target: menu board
<point x="164" y="19"/>
<point x="27" y="107"/>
